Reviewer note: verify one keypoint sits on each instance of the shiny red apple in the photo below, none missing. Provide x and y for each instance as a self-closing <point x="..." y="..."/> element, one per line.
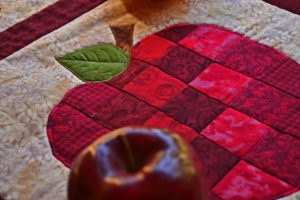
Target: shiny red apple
<point x="136" y="164"/>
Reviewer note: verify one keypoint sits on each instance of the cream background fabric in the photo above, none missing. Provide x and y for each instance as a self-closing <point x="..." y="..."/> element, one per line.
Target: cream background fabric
<point x="14" y="11"/>
<point x="32" y="82"/>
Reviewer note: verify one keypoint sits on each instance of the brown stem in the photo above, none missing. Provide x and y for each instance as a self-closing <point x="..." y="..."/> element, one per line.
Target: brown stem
<point x="123" y="34"/>
<point x="132" y="164"/>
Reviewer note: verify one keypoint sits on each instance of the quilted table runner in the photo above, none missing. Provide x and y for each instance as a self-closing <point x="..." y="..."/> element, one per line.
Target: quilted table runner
<point x="237" y="102"/>
<point x="234" y="100"/>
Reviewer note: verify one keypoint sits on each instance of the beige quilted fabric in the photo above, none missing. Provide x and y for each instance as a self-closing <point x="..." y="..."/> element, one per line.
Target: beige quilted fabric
<point x="14" y="11"/>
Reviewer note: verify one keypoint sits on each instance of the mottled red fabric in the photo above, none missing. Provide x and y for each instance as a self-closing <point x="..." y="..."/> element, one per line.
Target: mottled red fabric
<point x="235" y="131"/>
<point x="278" y="154"/>
<point x="246" y="181"/>
<point x="216" y="161"/>
<point x="235" y="101"/>
<point x="42" y="23"/>
<point x="271" y="106"/>
<point x="221" y="83"/>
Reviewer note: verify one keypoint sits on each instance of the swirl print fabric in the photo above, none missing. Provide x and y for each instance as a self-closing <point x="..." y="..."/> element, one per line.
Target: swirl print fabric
<point x="215" y="88"/>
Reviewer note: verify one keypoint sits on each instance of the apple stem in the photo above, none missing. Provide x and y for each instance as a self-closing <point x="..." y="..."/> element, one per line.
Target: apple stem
<point x="126" y="143"/>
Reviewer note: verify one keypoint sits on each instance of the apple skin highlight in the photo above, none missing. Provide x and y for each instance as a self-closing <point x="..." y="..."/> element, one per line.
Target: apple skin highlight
<point x="136" y="163"/>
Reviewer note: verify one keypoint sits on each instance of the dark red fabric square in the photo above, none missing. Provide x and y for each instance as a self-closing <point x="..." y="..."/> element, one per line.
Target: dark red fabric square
<point x="193" y="108"/>
<point x="161" y="120"/>
<point x="70" y="131"/>
<point x="285" y="77"/>
<point x="182" y="63"/>
<point x="216" y="161"/>
<point x="236" y="132"/>
<point x="213" y="197"/>
<point x="177" y="32"/>
<point x="135" y="68"/>
<point x="250" y="58"/>
<point x="221" y="83"/>
<point x="278" y="154"/>
<point x="124" y="110"/>
<point x="154" y="86"/>
<point x="271" y="106"/>
<point x="91" y="97"/>
<point x="246" y="182"/>
<point x="289" y="5"/>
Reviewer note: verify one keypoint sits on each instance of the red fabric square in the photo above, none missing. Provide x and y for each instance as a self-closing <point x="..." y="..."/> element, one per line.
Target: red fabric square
<point x="154" y="86"/>
<point x="250" y="57"/>
<point x="193" y="108"/>
<point x="216" y="161"/>
<point x="70" y="131"/>
<point x="209" y="41"/>
<point x="135" y="68"/>
<point x="182" y="63"/>
<point x="235" y="131"/>
<point x="278" y="154"/>
<point x="90" y="97"/>
<point x="124" y="110"/>
<point x="151" y="48"/>
<point x="176" y="32"/>
<point x="245" y="181"/>
<point x="271" y="106"/>
<point x="161" y="120"/>
<point x="285" y="77"/>
<point x="221" y="83"/>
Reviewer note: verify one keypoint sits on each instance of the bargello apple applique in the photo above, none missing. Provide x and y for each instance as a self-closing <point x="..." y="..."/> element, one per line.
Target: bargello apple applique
<point x="236" y="102"/>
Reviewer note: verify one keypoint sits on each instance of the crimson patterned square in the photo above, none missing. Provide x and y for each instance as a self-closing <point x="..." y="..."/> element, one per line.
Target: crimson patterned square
<point x="271" y="106"/>
<point x="124" y="110"/>
<point x="246" y="182"/>
<point x="216" y="161"/>
<point x="193" y="108"/>
<point x="182" y="63"/>
<point x="278" y="154"/>
<point x="154" y="86"/>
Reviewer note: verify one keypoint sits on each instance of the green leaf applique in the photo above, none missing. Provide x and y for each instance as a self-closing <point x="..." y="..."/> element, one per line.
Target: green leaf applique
<point x="97" y="63"/>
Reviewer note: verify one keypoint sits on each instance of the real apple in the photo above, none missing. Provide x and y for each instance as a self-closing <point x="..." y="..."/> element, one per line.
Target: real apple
<point x="136" y="163"/>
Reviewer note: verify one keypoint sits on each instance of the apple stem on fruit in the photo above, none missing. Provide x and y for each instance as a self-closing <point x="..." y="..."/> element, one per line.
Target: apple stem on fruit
<point x="125" y="141"/>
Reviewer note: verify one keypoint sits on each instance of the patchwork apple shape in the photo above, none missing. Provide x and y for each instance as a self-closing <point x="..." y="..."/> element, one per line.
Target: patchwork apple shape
<point x="234" y="100"/>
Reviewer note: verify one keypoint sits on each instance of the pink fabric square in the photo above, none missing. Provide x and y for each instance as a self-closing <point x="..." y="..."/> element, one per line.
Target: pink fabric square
<point x="235" y="131"/>
<point x="209" y="41"/>
<point x="245" y="181"/>
<point x="221" y="83"/>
